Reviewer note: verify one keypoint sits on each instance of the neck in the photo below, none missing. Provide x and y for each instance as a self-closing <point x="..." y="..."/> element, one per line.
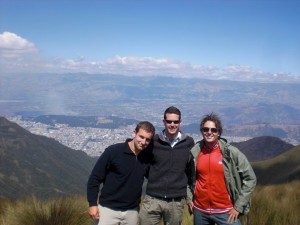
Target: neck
<point x="211" y="145"/>
<point x="132" y="148"/>
<point x="171" y="136"/>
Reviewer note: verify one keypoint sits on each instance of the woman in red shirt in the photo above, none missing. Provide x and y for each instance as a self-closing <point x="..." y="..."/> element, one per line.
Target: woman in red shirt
<point x="223" y="180"/>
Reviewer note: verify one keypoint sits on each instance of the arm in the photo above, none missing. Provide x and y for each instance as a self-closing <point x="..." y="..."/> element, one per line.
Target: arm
<point x="190" y="172"/>
<point x="191" y="175"/>
<point x="149" y="155"/>
<point x="247" y="182"/>
<point x="96" y="178"/>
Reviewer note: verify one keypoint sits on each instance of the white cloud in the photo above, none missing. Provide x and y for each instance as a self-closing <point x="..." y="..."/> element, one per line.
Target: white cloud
<point x="247" y="73"/>
<point x="13" y="46"/>
<point x="19" y="55"/>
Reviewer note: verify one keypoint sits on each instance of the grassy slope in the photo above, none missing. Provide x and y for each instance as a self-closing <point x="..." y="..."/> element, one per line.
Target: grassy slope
<point x="281" y="169"/>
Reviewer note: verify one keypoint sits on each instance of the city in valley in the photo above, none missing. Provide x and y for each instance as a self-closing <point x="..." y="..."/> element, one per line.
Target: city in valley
<point x="93" y="141"/>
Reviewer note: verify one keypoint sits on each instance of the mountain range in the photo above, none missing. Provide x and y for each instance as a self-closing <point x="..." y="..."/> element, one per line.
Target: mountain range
<point x="240" y="104"/>
<point x="35" y="165"/>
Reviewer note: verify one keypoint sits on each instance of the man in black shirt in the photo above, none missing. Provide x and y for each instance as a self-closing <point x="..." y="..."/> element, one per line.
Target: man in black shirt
<point x="121" y="169"/>
<point x="167" y="179"/>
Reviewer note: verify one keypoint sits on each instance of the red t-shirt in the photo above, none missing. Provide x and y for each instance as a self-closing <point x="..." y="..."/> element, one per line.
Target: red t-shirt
<point x="211" y="195"/>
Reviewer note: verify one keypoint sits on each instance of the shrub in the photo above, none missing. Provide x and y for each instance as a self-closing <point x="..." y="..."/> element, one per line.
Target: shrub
<point x="63" y="211"/>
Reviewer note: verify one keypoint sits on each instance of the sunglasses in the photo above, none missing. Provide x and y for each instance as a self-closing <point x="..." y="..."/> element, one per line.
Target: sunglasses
<point x="172" y="121"/>
<point x="206" y="129"/>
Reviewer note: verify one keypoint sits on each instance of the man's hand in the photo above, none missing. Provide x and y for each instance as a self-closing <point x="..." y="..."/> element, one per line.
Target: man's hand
<point x="94" y="212"/>
<point x="233" y="216"/>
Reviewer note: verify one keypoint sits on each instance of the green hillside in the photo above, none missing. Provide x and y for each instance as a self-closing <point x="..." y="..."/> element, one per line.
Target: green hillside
<point x="33" y="164"/>
<point x="281" y="169"/>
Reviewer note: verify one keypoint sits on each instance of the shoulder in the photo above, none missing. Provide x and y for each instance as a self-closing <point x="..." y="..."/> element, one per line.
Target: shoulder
<point x="196" y="149"/>
<point x="157" y="136"/>
<point x="234" y="153"/>
<point x="228" y="149"/>
<point x="115" y="148"/>
<point x="188" y="138"/>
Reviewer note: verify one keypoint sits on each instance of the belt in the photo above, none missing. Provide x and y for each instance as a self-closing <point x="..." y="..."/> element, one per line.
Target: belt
<point x="177" y="199"/>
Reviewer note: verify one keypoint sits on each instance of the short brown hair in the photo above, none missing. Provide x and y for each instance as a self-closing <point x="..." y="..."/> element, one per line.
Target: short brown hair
<point x="172" y="110"/>
<point x="145" y="125"/>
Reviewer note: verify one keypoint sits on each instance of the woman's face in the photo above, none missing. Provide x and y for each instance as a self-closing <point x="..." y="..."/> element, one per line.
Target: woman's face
<point x="209" y="132"/>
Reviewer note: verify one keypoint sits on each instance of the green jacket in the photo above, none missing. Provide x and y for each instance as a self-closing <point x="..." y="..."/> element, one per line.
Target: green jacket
<point x="239" y="175"/>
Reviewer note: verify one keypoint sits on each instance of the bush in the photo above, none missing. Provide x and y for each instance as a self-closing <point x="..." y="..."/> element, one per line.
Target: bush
<point x="64" y="211"/>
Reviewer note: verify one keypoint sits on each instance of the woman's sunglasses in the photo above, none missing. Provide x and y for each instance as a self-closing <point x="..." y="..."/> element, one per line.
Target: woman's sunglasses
<point x="206" y="129"/>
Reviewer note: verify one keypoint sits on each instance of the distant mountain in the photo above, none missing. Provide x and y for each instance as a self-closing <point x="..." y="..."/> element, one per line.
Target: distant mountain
<point x="281" y="169"/>
<point x="147" y="96"/>
<point x="289" y="132"/>
<point x="109" y="122"/>
<point x="32" y="164"/>
<point x="246" y="108"/>
<point x="261" y="148"/>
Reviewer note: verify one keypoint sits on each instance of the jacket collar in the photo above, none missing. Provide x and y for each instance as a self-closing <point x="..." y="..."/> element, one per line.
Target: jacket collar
<point x="198" y="146"/>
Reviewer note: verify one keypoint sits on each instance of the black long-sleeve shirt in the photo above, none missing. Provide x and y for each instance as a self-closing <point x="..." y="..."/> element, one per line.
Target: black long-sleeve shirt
<point x="122" y="175"/>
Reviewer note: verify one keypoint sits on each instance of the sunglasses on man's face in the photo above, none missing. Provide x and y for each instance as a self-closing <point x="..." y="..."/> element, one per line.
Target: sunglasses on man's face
<point x="206" y="129"/>
<point x="172" y="121"/>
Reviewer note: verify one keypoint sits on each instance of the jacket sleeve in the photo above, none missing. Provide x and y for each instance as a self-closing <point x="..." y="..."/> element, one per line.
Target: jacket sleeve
<point x="246" y="184"/>
<point x="148" y="152"/>
<point x="97" y="177"/>
<point x="191" y="173"/>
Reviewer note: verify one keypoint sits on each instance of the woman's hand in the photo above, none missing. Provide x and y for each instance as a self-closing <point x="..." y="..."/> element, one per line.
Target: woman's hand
<point x="190" y="207"/>
<point x="233" y="216"/>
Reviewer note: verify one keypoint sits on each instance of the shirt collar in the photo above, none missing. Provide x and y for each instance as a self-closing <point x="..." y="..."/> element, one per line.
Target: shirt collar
<point x="172" y="142"/>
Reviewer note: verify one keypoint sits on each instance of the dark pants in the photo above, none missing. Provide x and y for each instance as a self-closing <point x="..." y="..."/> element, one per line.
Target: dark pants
<point x="212" y="219"/>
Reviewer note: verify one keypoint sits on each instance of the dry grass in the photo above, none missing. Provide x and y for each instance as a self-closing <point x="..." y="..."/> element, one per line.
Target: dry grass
<point x="31" y="211"/>
<point x="276" y="204"/>
<point x="271" y="205"/>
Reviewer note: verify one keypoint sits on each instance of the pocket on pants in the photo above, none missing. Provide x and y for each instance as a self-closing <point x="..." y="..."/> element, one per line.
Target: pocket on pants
<point x="147" y="202"/>
<point x="180" y="205"/>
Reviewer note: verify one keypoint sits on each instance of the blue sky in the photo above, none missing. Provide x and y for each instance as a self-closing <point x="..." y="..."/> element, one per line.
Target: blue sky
<point x="224" y="39"/>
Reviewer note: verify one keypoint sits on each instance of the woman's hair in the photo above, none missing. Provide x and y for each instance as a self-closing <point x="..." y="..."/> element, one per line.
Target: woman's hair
<point x="214" y="118"/>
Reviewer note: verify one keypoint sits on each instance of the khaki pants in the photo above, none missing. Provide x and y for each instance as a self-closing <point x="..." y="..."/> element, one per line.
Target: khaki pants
<point x="153" y="210"/>
<point x="113" y="217"/>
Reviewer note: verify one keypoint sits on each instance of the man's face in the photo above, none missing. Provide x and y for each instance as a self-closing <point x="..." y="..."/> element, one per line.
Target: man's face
<point x="209" y="132"/>
<point x="172" y="125"/>
<point x="142" y="139"/>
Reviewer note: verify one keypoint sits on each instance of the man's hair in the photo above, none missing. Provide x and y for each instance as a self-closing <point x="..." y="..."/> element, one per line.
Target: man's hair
<point x="145" y="125"/>
<point x="172" y="110"/>
<point x="214" y="118"/>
